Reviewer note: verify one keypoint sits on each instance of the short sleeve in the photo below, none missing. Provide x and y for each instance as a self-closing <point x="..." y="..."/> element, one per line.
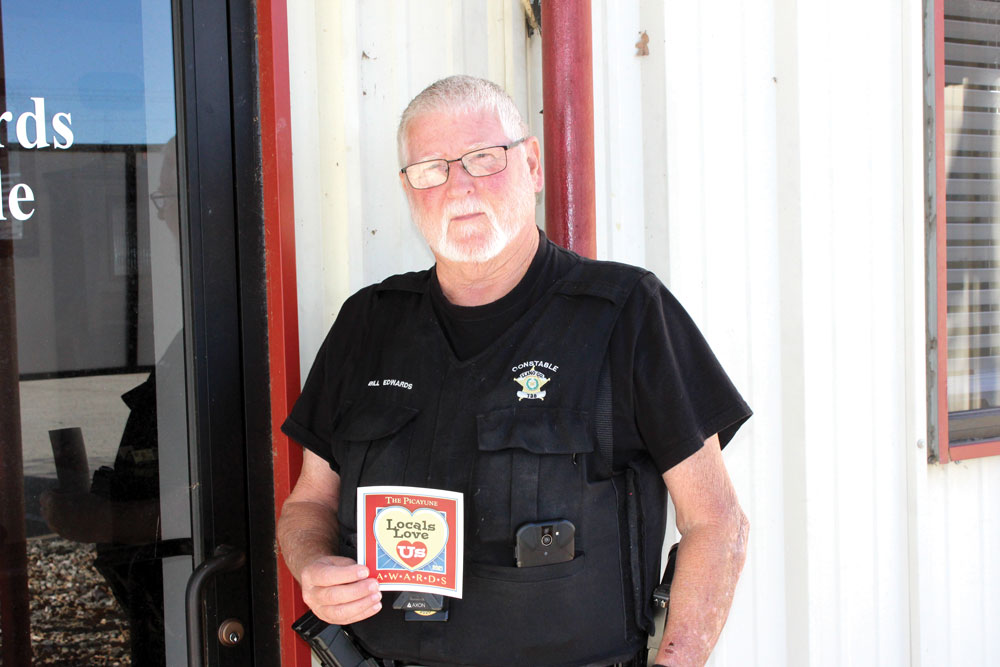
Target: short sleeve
<point x="681" y="395"/>
<point x="311" y="420"/>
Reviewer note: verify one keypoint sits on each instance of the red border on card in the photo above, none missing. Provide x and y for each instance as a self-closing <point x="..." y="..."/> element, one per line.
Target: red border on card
<point x="373" y="502"/>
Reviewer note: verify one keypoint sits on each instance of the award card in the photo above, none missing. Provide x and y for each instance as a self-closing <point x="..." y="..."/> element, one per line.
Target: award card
<point x="411" y="538"/>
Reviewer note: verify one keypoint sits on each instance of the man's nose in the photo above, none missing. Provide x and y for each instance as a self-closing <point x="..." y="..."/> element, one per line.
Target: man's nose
<point x="460" y="183"/>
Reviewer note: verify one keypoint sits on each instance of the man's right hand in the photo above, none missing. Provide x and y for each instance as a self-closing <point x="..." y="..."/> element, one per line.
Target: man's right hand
<point x="339" y="591"/>
<point x="79" y="516"/>
<point x="336" y="588"/>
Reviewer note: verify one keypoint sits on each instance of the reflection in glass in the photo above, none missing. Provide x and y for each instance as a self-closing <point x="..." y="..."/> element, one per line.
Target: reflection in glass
<point x="97" y="539"/>
<point x="972" y="148"/>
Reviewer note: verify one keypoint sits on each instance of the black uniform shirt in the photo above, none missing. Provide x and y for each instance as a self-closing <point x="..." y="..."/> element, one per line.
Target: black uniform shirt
<point x="669" y="391"/>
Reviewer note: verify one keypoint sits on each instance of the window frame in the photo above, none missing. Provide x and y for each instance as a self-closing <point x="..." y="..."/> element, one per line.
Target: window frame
<point x="941" y="449"/>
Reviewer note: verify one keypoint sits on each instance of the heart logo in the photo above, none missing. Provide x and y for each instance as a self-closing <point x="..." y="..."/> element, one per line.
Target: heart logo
<point x="412" y="539"/>
<point x="411" y="553"/>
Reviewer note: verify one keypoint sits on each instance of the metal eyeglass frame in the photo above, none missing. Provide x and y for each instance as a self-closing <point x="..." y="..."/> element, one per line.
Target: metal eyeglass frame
<point x="461" y="158"/>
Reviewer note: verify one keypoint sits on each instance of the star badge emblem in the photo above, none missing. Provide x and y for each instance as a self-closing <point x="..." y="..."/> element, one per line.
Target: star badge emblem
<point x="531" y="382"/>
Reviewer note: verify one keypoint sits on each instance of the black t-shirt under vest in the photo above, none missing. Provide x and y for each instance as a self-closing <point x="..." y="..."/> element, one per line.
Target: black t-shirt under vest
<point x="514" y="429"/>
<point x="471" y="329"/>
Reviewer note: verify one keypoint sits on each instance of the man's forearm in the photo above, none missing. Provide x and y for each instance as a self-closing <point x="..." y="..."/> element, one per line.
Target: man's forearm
<point x="135" y="522"/>
<point x="306" y="531"/>
<point x="709" y="561"/>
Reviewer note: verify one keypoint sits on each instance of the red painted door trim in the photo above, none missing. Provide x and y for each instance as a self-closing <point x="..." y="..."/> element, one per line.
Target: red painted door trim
<point x="282" y="307"/>
<point x="941" y="263"/>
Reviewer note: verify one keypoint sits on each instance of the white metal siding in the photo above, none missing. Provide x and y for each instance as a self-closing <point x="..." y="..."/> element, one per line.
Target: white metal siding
<point x="963" y="589"/>
<point x="765" y="159"/>
<point x="354" y="65"/>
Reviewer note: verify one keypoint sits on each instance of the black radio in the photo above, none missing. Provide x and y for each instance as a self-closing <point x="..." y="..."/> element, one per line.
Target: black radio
<point x="330" y="643"/>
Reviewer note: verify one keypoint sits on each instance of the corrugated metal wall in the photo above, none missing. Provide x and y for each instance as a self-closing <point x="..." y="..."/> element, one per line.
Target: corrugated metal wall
<point x="354" y="66"/>
<point x="766" y="160"/>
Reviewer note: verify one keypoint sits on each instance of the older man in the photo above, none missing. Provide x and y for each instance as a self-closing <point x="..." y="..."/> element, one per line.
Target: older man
<point x="633" y="398"/>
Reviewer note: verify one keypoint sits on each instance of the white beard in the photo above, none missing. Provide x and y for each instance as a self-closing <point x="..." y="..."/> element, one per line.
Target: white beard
<point x="502" y="227"/>
<point x="471" y="248"/>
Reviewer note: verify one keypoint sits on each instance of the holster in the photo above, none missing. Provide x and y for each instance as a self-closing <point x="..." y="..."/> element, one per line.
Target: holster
<point x="661" y="606"/>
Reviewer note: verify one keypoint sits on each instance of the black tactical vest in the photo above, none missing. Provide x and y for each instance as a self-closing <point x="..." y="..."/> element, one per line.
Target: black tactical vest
<point x="523" y="430"/>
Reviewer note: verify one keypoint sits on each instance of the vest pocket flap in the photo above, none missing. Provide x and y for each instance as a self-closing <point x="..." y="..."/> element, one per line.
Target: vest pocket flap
<point x="367" y="421"/>
<point x="536" y="430"/>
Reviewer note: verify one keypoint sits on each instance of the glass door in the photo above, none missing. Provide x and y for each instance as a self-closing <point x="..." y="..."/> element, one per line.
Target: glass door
<point x="122" y="412"/>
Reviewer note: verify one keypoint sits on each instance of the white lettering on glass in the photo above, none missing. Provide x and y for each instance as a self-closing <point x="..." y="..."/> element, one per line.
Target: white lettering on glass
<point x="38" y="115"/>
<point x="61" y="124"/>
<point x="31" y="130"/>
<point x="15" y="200"/>
<point x="31" y="127"/>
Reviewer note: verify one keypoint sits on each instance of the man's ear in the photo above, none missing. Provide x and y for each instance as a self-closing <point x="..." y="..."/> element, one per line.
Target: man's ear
<point x="533" y="151"/>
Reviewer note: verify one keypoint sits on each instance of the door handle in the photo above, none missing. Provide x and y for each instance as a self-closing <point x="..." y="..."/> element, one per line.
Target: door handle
<point x="224" y="559"/>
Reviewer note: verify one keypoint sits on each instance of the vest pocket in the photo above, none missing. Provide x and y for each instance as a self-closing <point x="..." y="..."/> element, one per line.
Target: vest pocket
<point x="529" y="467"/>
<point x="565" y="613"/>
<point x="370" y="443"/>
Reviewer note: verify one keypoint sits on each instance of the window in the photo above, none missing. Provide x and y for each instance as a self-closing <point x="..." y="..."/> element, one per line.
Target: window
<point x="967" y="157"/>
<point x="91" y="303"/>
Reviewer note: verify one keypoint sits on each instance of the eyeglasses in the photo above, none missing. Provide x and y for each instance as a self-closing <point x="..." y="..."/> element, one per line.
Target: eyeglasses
<point x="480" y="162"/>
<point x="160" y="199"/>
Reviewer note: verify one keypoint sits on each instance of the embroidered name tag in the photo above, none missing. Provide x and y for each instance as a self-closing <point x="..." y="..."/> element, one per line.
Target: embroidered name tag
<point x="390" y="382"/>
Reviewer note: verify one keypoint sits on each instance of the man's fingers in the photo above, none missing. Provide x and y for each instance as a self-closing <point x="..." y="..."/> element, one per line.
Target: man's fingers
<point x="345" y="614"/>
<point x="333" y="571"/>
<point x="339" y="590"/>
<point x="321" y="596"/>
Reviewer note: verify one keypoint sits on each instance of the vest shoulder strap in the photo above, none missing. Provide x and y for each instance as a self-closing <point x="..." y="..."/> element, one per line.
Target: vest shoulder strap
<point x="603" y="421"/>
<point x="607" y="280"/>
<point x="614" y="282"/>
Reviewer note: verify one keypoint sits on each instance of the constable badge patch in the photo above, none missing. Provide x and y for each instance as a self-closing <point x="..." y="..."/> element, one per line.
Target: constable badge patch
<point x="531" y="381"/>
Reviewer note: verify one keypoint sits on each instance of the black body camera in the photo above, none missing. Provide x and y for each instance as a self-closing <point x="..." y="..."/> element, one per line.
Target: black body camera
<point x="545" y="543"/>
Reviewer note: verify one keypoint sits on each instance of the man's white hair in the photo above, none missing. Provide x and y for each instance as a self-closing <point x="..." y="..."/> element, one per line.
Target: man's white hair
<point x="461" y="94"/>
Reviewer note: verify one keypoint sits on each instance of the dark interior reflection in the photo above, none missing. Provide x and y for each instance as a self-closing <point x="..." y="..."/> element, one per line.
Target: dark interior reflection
<point x="91" y="345"/>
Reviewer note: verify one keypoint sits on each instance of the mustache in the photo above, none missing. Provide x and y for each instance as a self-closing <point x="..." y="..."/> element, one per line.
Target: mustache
<point x="465" y="207"/>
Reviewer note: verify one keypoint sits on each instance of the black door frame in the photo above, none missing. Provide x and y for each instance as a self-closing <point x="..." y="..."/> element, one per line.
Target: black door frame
<point x="226" y="314"/>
